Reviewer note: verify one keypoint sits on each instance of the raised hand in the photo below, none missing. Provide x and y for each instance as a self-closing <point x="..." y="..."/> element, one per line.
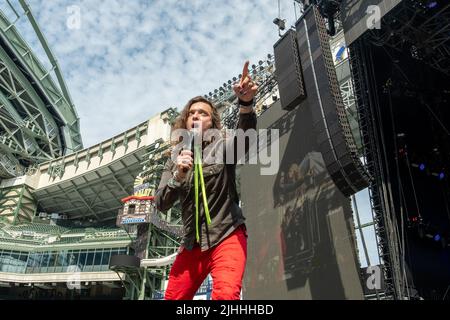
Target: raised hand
<point x="246" y="89"/>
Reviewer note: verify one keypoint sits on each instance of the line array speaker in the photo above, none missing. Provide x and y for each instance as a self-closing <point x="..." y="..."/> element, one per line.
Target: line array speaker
<point x="288" y="71"/>
<point x="333" y="131"/>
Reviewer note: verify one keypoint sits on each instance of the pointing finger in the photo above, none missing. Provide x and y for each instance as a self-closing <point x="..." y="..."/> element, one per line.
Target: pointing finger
<point x="244" y="72"/>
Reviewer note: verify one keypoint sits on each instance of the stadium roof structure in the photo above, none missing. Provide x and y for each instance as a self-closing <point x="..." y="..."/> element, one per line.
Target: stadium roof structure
<point x="38" y="121"/>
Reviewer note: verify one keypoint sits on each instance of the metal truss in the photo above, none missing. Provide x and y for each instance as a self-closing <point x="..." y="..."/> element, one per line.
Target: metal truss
<point x="38" y="121"/>
<point x="422" y="30"/>
<point x="161" y="244"/>
<point x="17" y="205"/>
<point x="382" y="208"/>
<point x="29" y="130"/>
<point x="348" y="98"/>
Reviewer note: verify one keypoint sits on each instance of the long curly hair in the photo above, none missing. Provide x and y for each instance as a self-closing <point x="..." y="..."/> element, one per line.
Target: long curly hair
<point x="180" y="121"/>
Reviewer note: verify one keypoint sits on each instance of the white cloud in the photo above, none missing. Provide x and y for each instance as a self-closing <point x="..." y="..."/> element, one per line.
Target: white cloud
<point x="132" y="59"/>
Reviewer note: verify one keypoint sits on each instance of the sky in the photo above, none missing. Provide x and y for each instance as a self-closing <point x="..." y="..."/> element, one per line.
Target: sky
<point x="125" y="61"/>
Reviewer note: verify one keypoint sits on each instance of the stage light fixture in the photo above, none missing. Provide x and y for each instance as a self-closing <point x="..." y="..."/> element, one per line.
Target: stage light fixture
<point x="437" y="237"/>
<point x="441" y="176"/>
<point x="422" y="166"/>
<point x="280" y="23"/>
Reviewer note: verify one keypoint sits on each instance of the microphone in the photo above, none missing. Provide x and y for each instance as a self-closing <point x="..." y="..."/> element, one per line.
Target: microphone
<point x="191" y="140"/>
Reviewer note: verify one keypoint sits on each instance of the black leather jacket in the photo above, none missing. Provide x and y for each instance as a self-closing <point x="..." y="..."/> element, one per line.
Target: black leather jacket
<point x="223" y="200"/>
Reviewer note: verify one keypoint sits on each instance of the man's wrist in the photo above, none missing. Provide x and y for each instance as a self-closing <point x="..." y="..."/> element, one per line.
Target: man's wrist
<point x="246" y="110"/>
<point x="243" y="103"/>
<point x="246" y="106"/>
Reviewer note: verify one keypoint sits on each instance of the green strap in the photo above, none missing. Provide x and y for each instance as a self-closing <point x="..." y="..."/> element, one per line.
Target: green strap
<point x="205" y="201"/>
<point x="198" y="173"/>
<point x="196" y="195"/>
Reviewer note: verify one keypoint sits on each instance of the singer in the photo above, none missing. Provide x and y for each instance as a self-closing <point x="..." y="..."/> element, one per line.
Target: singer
<point x="215" y="238"/>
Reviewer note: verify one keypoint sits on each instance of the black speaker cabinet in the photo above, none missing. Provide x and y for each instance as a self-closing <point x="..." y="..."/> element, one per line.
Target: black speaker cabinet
<point x="289" y="71"/>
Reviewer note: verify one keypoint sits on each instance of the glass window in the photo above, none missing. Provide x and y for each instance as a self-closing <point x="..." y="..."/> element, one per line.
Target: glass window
<point x="10" y="262"/>
<point x="73" y="261"/>
<point x="37" y="262"/>
<point x="63" y="258"/>
<point x="6" y="252"/>
<point x="58" y="267"/>
<point x="66" y="261"/>
<point x="106" y="256"/>
<point x="4" y="263"/>
<point x="31" y="262"/>
<point x="3" y="259"/>
<point x="23" y="262"/>
<point x="45" y="260"/>
<point x="52" y="261"/>
<point x="89" y="260"/>
<point x="98" y="257"/>
<point x="82" y="260"/>
<point x="1" y="263"/>
<point x="97" y="260"/>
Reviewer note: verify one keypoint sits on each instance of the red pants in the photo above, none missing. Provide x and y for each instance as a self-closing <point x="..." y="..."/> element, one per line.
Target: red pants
<point x="225" y="261"/>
